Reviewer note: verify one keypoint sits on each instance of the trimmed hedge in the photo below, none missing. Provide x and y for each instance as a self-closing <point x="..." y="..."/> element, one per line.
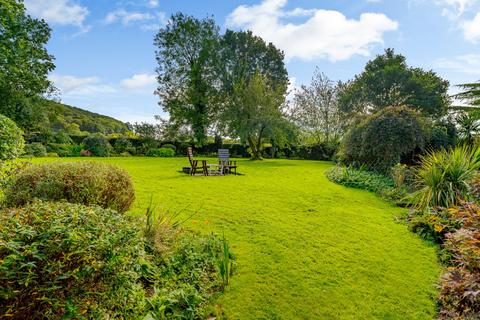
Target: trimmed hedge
<point x="85" y="182"/>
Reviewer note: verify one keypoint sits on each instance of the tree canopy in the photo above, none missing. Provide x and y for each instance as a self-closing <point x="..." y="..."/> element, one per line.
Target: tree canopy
<point x="186" y="56"/>
<point x="256" y="116"/>
<point x="388" y="81"/>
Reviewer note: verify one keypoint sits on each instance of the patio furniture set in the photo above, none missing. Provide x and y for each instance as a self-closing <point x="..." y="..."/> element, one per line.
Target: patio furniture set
<point x="225" y="165"/>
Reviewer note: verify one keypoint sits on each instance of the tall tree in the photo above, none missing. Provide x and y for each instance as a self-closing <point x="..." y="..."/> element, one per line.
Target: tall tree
<point x="186" y="56"/>
<point x="388" y="81"/>
<point x="256" y="114"/>
<point x="242" y="55"/>
<point x="315" y="109"/>
<point x="24" y="62"/>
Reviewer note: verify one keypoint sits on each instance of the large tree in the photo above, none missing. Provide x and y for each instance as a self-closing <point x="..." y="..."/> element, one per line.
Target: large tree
<point x="24" y="63"/>
<point x="256" y="114"/>
<point x="186" y="56"/>
<point x="315" y="110"/>
<point x="242" y="55"/>
<point x="388" y="81"/>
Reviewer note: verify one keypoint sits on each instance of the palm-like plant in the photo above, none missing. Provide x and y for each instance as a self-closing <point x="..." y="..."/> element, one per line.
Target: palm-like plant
<point x="468" y="126"/>
<point x="444" y="176"/>
<point x="470" y="94"/>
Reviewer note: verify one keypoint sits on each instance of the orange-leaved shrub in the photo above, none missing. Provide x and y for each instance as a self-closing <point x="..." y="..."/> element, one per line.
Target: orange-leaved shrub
<point x="84" y="182"/>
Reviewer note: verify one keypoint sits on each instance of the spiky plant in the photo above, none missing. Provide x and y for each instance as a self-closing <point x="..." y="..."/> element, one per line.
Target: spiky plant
<point x="444" y="176"/>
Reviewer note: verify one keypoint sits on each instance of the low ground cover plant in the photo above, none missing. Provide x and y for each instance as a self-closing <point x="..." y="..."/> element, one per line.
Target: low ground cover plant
<point x="89" y="183"/>
<point x="62" y="260"/>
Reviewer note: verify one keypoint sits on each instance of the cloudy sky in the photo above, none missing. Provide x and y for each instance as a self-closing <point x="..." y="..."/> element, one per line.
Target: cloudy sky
<point x="105" y="55"/>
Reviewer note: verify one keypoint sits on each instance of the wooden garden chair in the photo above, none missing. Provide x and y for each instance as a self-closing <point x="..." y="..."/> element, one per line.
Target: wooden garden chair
<point x="226" y="165"/>
<point x="194" y="163"/>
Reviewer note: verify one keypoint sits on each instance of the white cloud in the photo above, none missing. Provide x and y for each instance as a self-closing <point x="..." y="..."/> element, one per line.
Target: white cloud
<point x="80" y="86"/>
<point x="60" y="12"/>
<point x="147" y="21"/>
<point x="325" y="34"/>
<point x="153" y="3"/>
<point x="126" y="17"/>
<point x="464" y="64"/>
<point x="141" y="81"/>
<point x="471" y="29"/>
<point x="460" y="13"/>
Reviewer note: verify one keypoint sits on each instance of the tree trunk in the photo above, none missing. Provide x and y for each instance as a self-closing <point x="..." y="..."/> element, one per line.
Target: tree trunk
<point x="256" y="149"/>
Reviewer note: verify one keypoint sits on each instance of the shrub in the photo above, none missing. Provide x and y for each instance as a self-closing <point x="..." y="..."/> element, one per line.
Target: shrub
<point x="89" y="183"/>
<point x="85" y="153"/>
<point x="52" y="155"/>
<point x="64" y="150"/>
<point x="123" y="145"/>
<point x="98" y="145"/>
<point x="11" y="139"/>
<point x="361" y="179"/>
<point x="36" y="149"/>
<point x="169" y="146"/>
<point x="382" y="139"/>
<point x="162" y="152"/>
<point x="444" y="176"/>
<point x="60" y="260"/>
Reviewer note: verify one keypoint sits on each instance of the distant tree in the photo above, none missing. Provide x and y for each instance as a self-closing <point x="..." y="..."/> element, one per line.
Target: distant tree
<point x="388" y="81"/>
<point x="256" y="115"/>
<point x="186" y="56"/>
<point x="24" y="61"/>
<point x="145" y="130"/>
<point x="315" y="110"/>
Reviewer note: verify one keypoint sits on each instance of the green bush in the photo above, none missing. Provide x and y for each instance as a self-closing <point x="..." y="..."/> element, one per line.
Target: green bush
<point x="444" y="177"/>
<point x="36" y="149"/>
<point x="123" y="145"/>
<point x="64" y="150"/>
<point x="169" y="146"/>
<point x="162" y="152"/>
<point x="360" y="179"/>
<point x="98" y="145"/>
<point x="89" y="183"/>
<point x="381" y="140"/>
<point x="11" y="139"/>
<point x="66" y="261"/>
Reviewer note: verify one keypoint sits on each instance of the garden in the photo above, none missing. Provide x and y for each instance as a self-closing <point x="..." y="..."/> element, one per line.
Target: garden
<point x="353" y="200"/>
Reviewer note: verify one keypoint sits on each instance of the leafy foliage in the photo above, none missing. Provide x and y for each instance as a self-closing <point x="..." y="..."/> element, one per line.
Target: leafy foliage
<point x="89" y="183"/>
<point x="257" y="117"/>
<point x="186" y="56"/>
<point x="63" y="260"/>
<point x="360" y="179"/>
<point x="162" y="152"/>
<point x="444" y="176"/>
<point x="98" y="145"/>
<point x="11" y="139"/>
<point x="470" y="94"/>
<point x="382" y="139"/>
<point x="388" y="81"/>
<point x="316" y="111"/>
<point x="36" y="149"/>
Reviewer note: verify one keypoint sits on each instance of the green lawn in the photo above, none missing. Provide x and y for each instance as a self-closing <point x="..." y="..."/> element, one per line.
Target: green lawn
<point x="306" y="248"/>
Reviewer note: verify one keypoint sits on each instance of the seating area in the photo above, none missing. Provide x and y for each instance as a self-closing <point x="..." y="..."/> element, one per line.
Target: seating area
<point x="224" y="166"/>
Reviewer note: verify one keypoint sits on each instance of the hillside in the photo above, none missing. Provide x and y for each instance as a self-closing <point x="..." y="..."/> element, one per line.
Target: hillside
<point x="74" y="120"/>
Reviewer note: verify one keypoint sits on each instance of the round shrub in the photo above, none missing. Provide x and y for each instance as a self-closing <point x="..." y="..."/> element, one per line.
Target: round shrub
<point x="68" y="261"/>
<point x="11" y="139"/>
<point x="85" y="182"/>
<point x="381" y="140"/>
<point x="36" y="149"/>
<point x="98" y="145"/>
<point x="123" y="145"/>
<point x="162" y="152"/>
<point x="169" y="146"/>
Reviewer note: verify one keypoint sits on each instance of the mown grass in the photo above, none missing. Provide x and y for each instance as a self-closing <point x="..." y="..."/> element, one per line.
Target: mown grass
<point x="306" y="248"/>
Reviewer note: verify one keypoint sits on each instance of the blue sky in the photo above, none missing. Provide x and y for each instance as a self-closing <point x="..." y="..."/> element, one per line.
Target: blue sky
<point x="106" y="63"/>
